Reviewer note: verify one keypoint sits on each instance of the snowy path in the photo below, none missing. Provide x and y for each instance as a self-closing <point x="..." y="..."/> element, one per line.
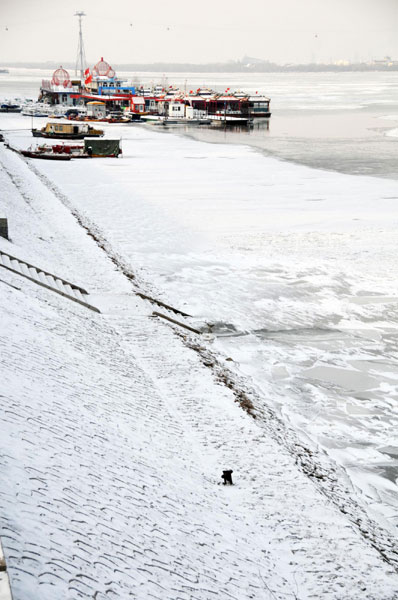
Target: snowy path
<point x="113" y="438"/>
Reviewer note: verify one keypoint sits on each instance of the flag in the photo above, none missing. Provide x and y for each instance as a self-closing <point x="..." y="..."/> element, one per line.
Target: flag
<point x="88" y="79"/>
<point x="86" y="72"/>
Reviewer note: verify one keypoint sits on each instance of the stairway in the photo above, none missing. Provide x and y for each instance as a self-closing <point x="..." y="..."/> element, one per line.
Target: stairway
<point x="45" y="279"/>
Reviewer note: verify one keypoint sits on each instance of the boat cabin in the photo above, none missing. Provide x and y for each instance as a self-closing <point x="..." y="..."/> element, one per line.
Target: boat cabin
<point x="137" y="105"/>
<point x="67" y="130"/>
<point x="96" y="110"/>
<point x="175" y="109"/>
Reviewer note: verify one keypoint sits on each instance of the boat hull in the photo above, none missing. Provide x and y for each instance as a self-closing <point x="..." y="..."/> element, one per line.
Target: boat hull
<point x="159" y="119"/>
<point x="64" y="136"/>
<point x="230" y="120"/>
<point x="45" y="155"/>
<point x="10" y="110"/>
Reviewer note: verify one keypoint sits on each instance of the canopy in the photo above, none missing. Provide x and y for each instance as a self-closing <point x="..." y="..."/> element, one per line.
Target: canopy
<point x="101" y="147"/>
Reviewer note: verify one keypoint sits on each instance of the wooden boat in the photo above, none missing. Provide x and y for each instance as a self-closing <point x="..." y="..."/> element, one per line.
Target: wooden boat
<point x="45" y="155"/>
<point x="67" y="131"/>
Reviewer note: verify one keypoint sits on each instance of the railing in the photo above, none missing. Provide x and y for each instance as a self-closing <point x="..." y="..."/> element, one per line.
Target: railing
<point x="47" y="85"/>
<point x="45" y="279"/>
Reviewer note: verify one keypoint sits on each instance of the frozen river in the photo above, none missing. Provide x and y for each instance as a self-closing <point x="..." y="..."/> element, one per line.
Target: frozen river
<point x="293" y="266"/>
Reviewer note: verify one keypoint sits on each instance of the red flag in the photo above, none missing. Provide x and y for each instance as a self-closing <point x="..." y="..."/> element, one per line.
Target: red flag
<point x="86" y="72"/>
<point x="88" y="80"/>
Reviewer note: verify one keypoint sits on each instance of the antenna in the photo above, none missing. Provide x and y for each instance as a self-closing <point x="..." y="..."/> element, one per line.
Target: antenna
<point x="81" y="57"/>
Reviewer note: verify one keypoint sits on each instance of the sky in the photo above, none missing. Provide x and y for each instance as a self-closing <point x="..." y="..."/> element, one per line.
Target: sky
<point x="127" y="31"/>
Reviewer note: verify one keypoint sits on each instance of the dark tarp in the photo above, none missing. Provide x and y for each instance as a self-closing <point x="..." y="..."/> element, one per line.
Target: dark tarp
<point x="102" y="147"/>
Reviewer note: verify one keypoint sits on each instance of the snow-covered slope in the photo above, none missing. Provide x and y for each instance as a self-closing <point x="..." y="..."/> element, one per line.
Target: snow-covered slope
<point x="113" y="436"/>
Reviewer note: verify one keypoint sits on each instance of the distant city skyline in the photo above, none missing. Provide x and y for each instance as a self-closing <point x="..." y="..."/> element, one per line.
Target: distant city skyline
<point x="311" y="31"/>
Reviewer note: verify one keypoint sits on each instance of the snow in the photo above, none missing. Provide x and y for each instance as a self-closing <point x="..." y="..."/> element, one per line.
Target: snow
<point x="289" y="256"/>
<point x="114" y="432"/>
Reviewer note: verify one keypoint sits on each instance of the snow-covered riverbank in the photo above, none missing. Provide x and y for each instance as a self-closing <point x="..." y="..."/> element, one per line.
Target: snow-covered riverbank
<point x="300" y="261"/>
<point x="114" y="433"/>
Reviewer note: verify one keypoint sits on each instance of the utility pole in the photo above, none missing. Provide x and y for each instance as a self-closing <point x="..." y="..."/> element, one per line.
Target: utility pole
<point x="81" y="57"/>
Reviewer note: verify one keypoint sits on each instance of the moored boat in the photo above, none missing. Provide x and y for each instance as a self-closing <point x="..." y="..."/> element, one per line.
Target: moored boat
<point x="37" y="109"/>
<point x="102" y="96"/>
<point x="67" y="131"/>
<point x="9" y="107"/>
<point x="90" y="148"/>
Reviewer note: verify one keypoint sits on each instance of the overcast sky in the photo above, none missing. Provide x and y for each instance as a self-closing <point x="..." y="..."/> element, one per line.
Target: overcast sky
<point x="138" y="31"/>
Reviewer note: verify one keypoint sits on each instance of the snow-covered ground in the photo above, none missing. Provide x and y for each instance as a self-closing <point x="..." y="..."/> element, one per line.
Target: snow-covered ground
<point x="114" y="433"/>
<point x="299" y="261"/>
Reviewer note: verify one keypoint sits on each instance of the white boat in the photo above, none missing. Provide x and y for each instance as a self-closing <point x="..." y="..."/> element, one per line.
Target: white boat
<point x="37" y="109"/>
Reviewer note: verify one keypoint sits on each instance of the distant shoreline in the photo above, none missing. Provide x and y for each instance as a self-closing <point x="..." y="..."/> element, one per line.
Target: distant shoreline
<point x="229" y="67"/>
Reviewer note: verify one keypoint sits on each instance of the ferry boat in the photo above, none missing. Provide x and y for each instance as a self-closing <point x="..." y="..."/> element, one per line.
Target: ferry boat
<point x="67" y="131"/>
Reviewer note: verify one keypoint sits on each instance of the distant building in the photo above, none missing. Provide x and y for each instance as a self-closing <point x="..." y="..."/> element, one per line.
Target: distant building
<point x="387" y="61"/>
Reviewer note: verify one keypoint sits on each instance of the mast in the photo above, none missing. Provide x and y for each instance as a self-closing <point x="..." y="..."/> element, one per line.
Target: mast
<point x="81" y="57"/>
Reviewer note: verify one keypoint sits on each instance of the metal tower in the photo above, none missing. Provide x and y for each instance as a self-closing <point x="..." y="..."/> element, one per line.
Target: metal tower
<point x="81" y="57"/>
